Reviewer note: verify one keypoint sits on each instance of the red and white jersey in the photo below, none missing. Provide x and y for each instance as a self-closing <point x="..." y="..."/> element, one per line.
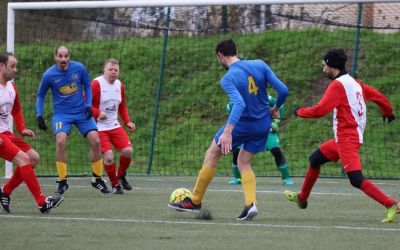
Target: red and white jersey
<point x="10" y="106"/>
<point x="347" y="97"/>
<point x="109" y="98"/>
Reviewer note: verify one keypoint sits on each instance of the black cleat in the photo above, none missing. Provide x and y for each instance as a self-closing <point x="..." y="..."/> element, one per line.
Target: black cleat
<point x="124" y="183"/>
<point x="117" y="190"/>
<point x="62" y="187"/>
<point x="50" y="203"/>
<point x="4" y="202"/>
<point x="100" y="184"/>
<point x="248" y="213"/>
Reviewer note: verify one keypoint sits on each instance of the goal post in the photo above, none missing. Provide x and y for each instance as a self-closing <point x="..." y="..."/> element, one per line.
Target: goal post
<point x="289" y="35"/>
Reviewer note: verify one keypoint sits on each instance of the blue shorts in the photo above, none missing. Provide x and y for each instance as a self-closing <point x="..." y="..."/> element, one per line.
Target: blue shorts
<point x="63" y="123"/>
<point x="251" y="135"/>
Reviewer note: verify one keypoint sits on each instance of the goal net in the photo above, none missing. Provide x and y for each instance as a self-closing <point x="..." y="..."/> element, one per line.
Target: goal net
<point x="171" y="75"/>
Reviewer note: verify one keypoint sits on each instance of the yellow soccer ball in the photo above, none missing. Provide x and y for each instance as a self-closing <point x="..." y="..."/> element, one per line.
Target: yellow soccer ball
<point x="179" y="195"/>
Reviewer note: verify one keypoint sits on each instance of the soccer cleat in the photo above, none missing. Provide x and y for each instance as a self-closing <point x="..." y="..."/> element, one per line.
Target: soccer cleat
<point x="235" y="181"/>
<point x="50" y="203"/>
<point x="392" y="213"/>
<point x="248" y="213"/>
<point x="117" y="190"/>
<point x="124" y="183"/>
<point x="186" y="206"/>
<point x="287" y="181"/>
<point x="4" y="202"/>
<point x="62" y="187"/>
<point x="294" y="196"/>
<point x="100" y="184"/>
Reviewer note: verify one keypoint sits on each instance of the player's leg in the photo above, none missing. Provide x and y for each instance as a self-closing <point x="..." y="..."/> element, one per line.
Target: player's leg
<point x="61" y="127"/>
<point x="88" y="129"/>
<point x="273" y="146"/>
<point x="205" y="176"/>
<point x="236" y="179"/>
<point x="108" y="160"/>
<point x="61" y="162"/>
<point x="24" y="172"/>
<point x="20" y="144"/>
<point x="248" y="185"/>
<point x="121" y="141"/>
<point x="97" y="162"/>
<point x="125" y="160"/>
<point x="325" y="153"/>
<point x="349" y="154"/>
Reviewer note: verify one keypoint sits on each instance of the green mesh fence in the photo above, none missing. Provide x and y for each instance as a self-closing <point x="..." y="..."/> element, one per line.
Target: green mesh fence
<point x="292" y="39"/>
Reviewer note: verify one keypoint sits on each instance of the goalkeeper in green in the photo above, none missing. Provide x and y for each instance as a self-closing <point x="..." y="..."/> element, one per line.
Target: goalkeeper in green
<point x="272" y="146"/>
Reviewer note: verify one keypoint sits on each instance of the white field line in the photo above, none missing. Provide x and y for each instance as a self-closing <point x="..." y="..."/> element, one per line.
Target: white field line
<point x="220" y="190"/>
<point x="333" y="227"/>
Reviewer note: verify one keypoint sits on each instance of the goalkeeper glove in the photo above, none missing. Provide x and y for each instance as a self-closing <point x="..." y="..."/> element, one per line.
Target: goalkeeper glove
<point x="41" y="123"/>
<point x="275" y="125"/>
<point x="389" y="118"/>
<point x="88" y="112"/>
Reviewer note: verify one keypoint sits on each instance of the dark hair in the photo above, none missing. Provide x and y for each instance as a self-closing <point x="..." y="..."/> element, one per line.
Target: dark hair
<point x="227" y="48"/>
<point x="336" y="58"/>
<point x="56" y="50"/>
<point x="5" y="56"/>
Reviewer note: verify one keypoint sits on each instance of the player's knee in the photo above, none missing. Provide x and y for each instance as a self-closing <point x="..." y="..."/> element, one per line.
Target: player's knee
<point x="356" y="178"/>
<point x="35" y="158"/>
<point x="21" y="159"/>
<point x="127" y="152"/>
<point x="316" y="159"/>
<point x="108" y="161"/>
<point x="61" y="143"/>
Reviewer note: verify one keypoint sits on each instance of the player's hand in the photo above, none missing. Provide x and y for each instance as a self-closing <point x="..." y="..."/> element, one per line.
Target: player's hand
<point x="389" y="118"/>
<point x="88" y="112"/>
<point x="296" y="111"/>
<point x="29" y="133"/>
<point x="41" y="123"/>
<point x="131" y="126"/>
<point x="275" y="124"/>
<point x="225" y="140"/>
<point x="1" y="141"/>
<point x="102" y="116"/>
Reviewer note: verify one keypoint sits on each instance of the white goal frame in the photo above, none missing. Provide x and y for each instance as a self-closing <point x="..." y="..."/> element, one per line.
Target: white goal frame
<point x="12" y="7"/>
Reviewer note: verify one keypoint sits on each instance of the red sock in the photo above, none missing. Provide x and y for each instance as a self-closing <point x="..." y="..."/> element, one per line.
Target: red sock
<point x="29" y="177"/>
<point x="123" y="165"/>
<point x="111" y="172"/>
<point x="309" y="181"/>
<point x="370" y="189"/>
<point x="12" y="183"/>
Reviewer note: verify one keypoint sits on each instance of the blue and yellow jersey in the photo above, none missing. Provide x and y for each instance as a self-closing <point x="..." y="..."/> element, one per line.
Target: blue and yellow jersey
<point x="71" y="89"/>
<point x="246" y="84"/>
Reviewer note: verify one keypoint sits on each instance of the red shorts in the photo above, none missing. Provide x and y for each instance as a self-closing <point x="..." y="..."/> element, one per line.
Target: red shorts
<point x="117" y="137"/>
<point x="11" y="145"/>
<point x="346" y="151"/>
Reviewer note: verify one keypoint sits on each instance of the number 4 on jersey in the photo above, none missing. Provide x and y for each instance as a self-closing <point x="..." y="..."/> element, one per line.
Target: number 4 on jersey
<point x="252" y="86"/>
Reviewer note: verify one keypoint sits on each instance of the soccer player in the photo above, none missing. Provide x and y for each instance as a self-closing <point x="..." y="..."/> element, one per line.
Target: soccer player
<point x="346" y="97"/>
<point x="109" y="101"/>
<point x="248" y="125"/>
<point x="13" y="148"/>
<point x="273" y="146"/>
<point x="72" y="104"/>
